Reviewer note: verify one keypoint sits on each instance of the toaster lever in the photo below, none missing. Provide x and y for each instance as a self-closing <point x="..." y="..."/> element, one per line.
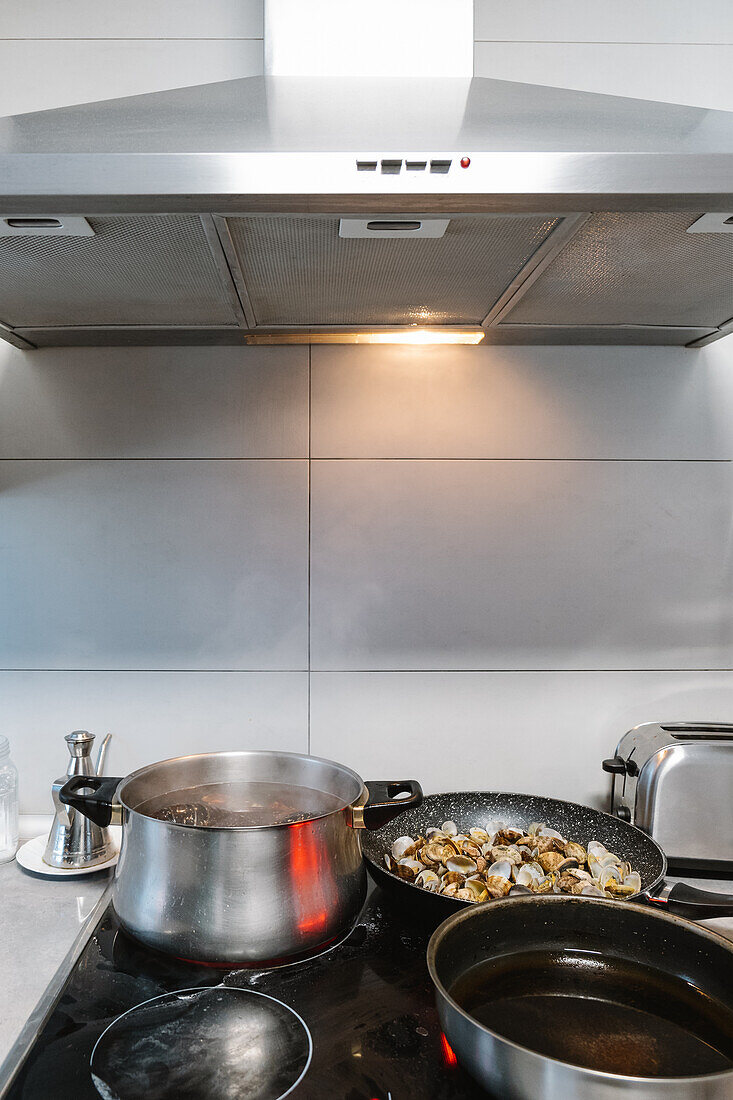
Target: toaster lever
<point x="618" y="766"/>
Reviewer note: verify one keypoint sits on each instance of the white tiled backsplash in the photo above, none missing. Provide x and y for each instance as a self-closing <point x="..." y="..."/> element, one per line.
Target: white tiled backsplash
<point x="475" y="566"/>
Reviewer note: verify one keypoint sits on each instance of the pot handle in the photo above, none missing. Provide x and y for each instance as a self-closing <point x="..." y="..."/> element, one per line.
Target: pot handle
<point x="386" y="799"/>
<point x="100" y="806"/>
<point x="687" y="901"/>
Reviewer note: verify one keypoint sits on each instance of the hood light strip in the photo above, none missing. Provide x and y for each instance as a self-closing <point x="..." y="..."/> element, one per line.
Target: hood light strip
<point x="406" y="335"/>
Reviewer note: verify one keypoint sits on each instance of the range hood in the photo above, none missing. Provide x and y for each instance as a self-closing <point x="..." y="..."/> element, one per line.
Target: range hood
<point x="273" y="206"/>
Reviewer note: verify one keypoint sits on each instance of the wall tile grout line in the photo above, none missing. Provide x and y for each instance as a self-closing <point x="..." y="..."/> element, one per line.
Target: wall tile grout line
<point x="362" y="671"/>
<point x="587" y="42"/>
<point x="357" y="458"/>
<point x="480" y="458"/>
<point x="139" y="38"/>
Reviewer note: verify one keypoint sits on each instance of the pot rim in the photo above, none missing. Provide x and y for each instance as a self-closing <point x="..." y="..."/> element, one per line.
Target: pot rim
<point x="448" y="925"/>
<point x="240" y="753"/>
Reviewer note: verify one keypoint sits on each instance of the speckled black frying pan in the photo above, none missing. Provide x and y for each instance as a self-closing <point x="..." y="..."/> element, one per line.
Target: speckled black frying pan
<point x="573" y="821"/>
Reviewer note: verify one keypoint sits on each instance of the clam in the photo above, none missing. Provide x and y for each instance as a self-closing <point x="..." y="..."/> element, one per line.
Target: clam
<point x="477" y="888"/>
<point x="479" y="836"/>
<point x="575" y="851"/>
<point x="609" y="875"/>
<point x="508" y="836"/>
<point x="401" y="846"/>
<point x="462" y="864"/>
<point x="550" y="861"/>
<point x="566" y="881"/>
<point x="590" y="890"/>
<point x="619" y="889"/>
<point x="518" y="888"/>
<point x="529" y="874"/>
<point x="497" y="886"/>
<point x="506" y="851"/>
<point x="502" y="867"/>
<point x="449" y="827"/>
<point x="633" y="879"/>
<point x="409" y="869"/>
<point x="433" y="851"/>
<point x="544" y="844"/>
<point x="428" y="880"/>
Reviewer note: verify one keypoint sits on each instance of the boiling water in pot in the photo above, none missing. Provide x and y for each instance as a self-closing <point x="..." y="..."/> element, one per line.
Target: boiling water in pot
<point x="246" y="804"/>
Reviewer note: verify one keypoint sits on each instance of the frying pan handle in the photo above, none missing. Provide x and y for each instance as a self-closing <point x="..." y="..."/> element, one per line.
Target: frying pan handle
<point x="386" y="800"/>
<point x="687" y="901"/>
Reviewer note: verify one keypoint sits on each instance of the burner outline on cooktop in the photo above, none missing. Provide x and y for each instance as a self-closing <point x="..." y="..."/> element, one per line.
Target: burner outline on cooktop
<point x="211" y="989"/>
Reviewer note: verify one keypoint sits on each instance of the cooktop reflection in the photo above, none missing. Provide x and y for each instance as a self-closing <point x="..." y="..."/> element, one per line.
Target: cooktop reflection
<point x="357" y="1022"/>
<point x="225" y="1041"/>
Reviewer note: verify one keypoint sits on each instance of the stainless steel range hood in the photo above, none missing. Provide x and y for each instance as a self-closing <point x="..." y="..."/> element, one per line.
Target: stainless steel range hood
<point x="285" y="205"/>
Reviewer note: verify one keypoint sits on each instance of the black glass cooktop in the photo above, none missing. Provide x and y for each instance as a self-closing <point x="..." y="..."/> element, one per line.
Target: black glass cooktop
<point x="355" y="1023"/>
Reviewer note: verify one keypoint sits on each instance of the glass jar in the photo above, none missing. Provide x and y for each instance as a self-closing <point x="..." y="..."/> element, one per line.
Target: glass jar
<point x="8" y="803"/>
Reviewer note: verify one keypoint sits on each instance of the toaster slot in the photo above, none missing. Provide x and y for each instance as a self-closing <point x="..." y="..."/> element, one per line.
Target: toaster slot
<point x="704" y="731"/>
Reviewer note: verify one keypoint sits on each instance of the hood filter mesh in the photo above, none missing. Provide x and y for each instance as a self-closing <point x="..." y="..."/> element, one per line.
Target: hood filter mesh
<point x="136" y="270"/>
<point x="298" y="271"/>
<point x="634" y="269"/>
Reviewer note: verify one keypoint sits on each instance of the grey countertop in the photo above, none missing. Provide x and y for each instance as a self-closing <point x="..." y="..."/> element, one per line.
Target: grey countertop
<point x="44" y="921"/>
<point x="40" y="920"/>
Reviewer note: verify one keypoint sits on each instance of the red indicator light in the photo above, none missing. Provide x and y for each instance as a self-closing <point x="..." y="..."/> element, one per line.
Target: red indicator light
<point x="465" y="161"/>
<point x="448" y="1056"/>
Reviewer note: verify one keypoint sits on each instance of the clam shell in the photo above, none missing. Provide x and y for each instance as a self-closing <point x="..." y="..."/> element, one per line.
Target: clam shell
<point x="609" y="874"/>
<point x="428" y="880"/>
<point x="477" y="888"/>
<point x="400" y="846"/>
<point x="462" y="864"/>
<point x="449" y="827"/>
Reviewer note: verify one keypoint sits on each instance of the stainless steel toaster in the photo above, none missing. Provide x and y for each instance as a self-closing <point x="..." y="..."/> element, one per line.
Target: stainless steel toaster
<point x="675" y="781"/>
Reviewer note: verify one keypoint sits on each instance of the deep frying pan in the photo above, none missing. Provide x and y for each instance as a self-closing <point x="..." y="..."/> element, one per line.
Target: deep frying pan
<point x="566" y="998"/>
<point x="575" y="822"/>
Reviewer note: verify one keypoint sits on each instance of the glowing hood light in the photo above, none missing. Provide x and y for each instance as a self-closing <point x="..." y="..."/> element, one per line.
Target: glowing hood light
<point x="447" y="335"/>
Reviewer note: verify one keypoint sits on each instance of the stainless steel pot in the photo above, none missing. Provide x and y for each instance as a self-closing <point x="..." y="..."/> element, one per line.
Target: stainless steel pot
<point x="239" y="895"/>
